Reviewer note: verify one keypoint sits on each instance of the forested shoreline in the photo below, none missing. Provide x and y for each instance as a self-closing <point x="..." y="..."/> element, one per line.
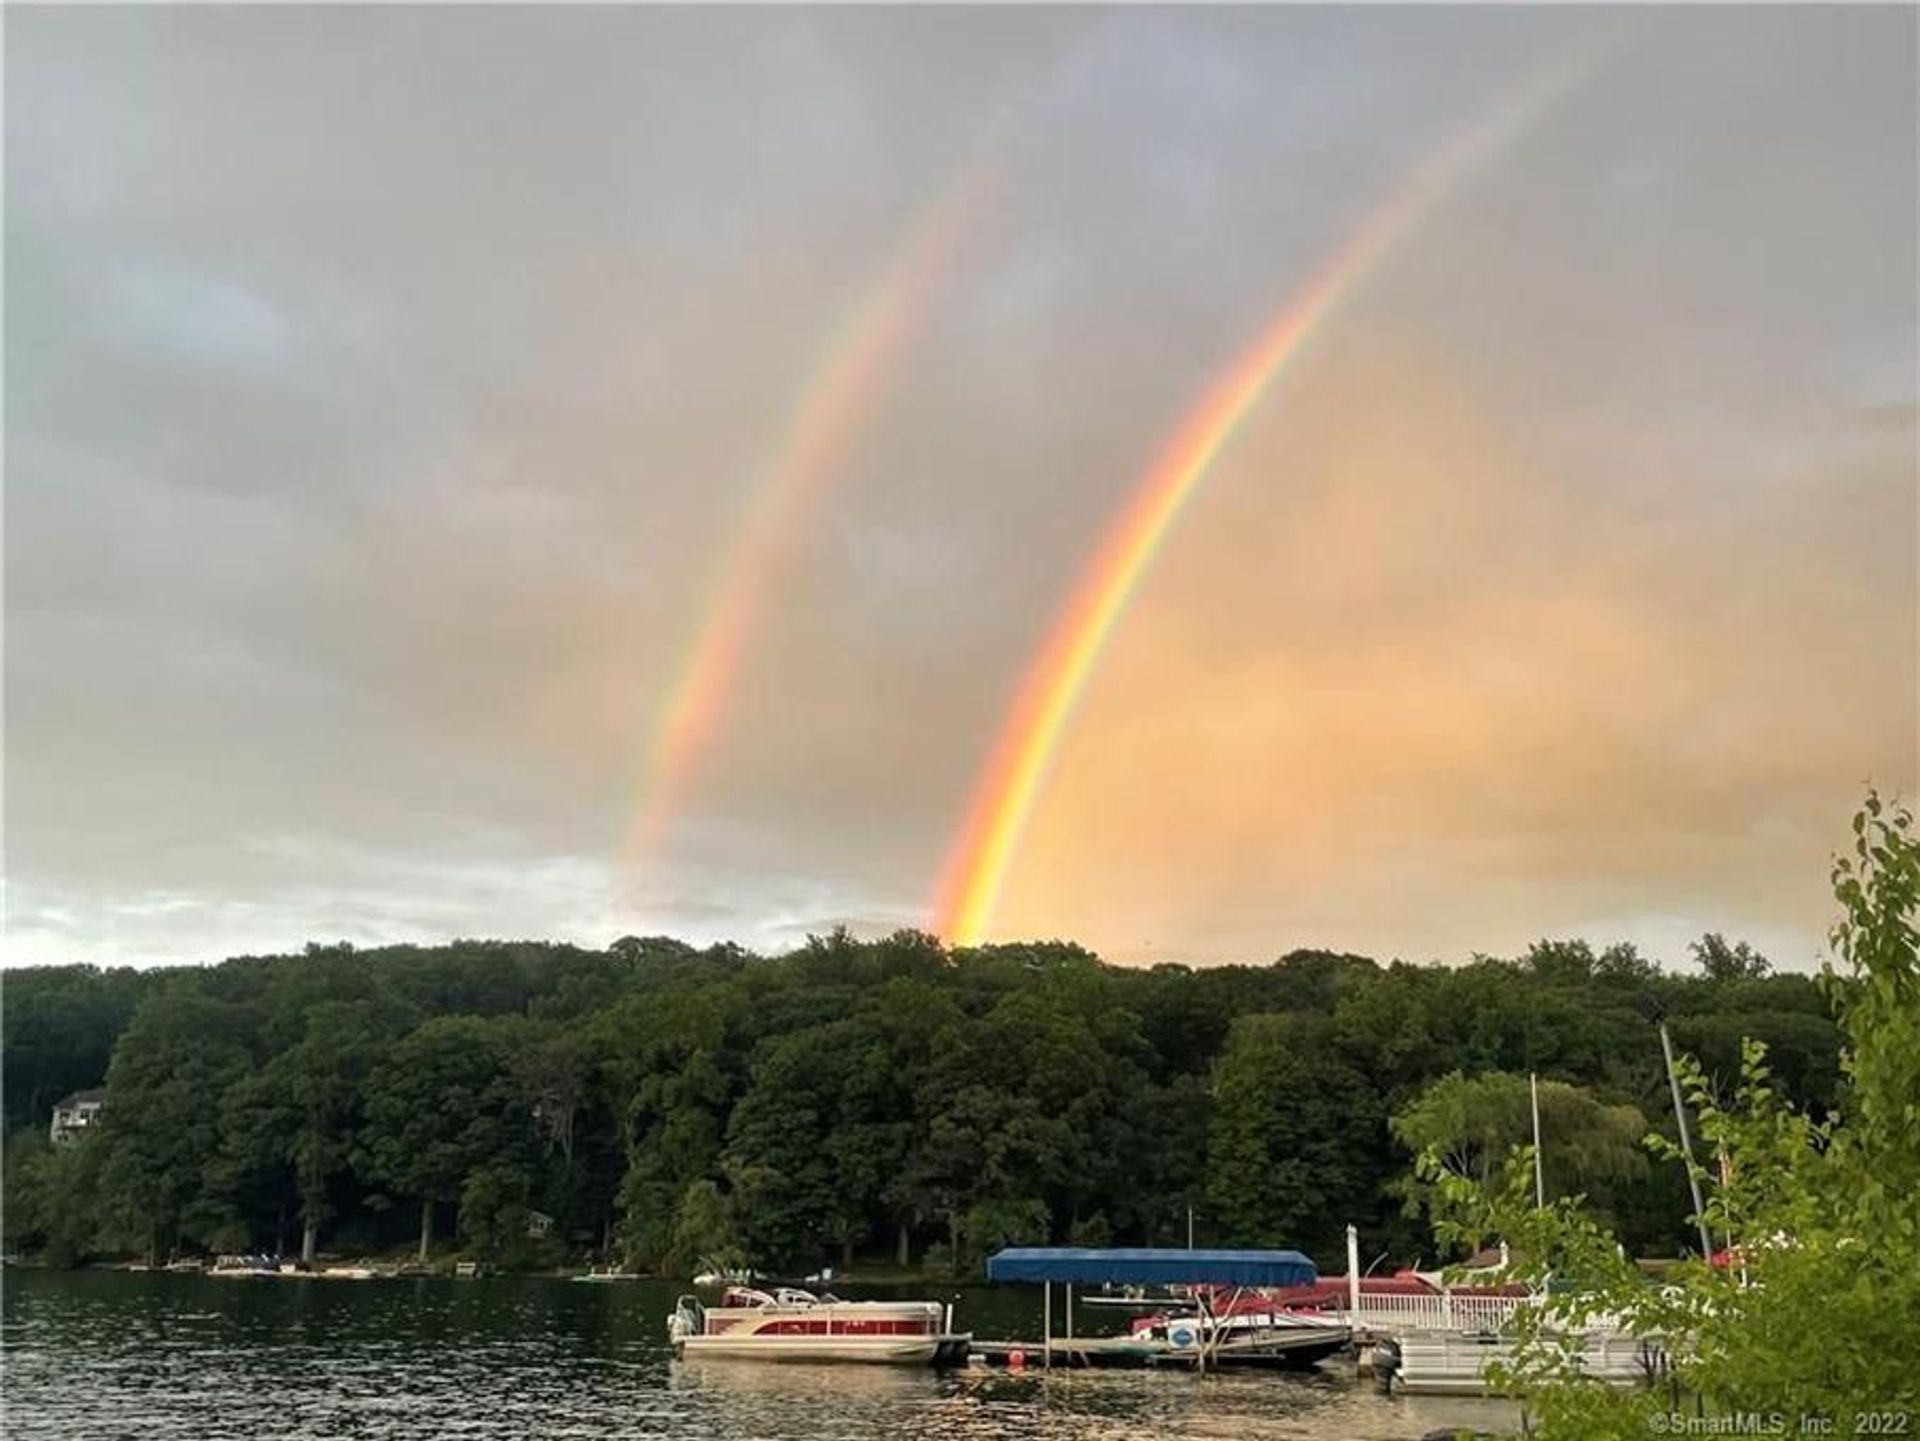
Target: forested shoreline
<point x="886" y="1100"/>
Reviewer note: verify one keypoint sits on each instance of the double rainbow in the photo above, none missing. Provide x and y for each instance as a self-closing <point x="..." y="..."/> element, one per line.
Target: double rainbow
<point x="1016" y="770"/>
<point x="844" y="385"/>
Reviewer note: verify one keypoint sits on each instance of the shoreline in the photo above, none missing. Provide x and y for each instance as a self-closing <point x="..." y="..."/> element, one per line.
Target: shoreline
<point x="387" y="1267"/>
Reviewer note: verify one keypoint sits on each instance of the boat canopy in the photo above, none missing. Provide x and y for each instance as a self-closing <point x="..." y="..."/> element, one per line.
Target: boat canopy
<point x="1150" y="1265"/>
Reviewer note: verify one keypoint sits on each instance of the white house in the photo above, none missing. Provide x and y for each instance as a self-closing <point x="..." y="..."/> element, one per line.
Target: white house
<point x="75" y="1114"/>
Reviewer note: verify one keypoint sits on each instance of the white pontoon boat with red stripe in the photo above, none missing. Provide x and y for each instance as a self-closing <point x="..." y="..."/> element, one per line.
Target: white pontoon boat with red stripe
<point x="789" y="1324"/>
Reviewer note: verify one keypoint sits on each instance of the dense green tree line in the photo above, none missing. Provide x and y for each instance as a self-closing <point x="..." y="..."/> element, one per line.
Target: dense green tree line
<point x="887" y="1099"/>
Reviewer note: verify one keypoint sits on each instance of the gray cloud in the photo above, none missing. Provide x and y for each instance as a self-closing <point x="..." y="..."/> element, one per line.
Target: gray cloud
<point x="384" y="387"/>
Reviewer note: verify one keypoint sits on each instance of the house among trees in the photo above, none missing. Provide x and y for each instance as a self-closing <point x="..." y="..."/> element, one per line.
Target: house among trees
<point x="75" y="1114"/>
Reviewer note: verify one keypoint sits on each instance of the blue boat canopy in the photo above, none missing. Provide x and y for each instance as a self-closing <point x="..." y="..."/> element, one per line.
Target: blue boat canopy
<point x="1150" y="1265"/>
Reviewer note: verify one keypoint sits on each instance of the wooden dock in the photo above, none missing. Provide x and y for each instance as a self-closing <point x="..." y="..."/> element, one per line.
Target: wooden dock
<point x="1109" y="1352"/>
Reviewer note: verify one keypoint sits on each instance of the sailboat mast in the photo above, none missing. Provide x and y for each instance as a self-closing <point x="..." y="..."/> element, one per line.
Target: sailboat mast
<point x="1686" y="1145"/>
<point x="1539" y="1172"/>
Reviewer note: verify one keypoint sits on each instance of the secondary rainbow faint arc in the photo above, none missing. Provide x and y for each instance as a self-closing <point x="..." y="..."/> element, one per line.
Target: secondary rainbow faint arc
<point x="1008" y="786"/>
<point x="825" y="420"/>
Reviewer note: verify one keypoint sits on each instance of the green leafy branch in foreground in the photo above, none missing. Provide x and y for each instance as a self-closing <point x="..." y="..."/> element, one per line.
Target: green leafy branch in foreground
<point x="1815" y="1309"/>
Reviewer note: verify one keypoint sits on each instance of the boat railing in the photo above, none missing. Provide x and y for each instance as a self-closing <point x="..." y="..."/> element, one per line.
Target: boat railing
<point x="1440" y="1361"/>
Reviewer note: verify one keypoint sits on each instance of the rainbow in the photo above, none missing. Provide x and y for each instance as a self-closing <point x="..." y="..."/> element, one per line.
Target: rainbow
<point x="820" y="431"/>
<point x="1010" y="783"/>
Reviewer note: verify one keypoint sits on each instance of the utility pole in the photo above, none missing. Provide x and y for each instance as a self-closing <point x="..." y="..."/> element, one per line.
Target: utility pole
<point x="1686" y="1142"/>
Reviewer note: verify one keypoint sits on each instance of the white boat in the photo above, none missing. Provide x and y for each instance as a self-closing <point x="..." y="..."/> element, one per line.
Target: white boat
<point x="1444" y="1363"/>
<point x="789" y="1324"/>
<point x="607" y="1273"/>
<point x="235" y="1265"/>
<point x="1245" y="1328"/>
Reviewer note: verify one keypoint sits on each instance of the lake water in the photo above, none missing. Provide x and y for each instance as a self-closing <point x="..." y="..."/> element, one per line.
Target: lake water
<point x="163" y="1358"/>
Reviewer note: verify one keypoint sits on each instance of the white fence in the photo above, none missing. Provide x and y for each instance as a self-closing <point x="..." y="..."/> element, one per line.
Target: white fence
<point x="1442" y="1312"/>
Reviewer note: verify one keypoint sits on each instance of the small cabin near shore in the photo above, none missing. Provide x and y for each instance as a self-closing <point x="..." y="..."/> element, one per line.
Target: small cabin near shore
<point x="75" y="1114"/>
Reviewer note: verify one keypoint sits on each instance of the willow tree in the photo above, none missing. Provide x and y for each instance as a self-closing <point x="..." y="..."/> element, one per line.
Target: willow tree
<point x="1472" y="1123"/>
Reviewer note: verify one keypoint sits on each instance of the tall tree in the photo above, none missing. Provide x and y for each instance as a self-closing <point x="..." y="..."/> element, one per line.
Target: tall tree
<point x="1296" y="1130"/>
<point x="1720" y="961"/>
<point x="821" y="1132"/>
<point x="441" y="1104"/>
<point x="322" y="1078"/>
<point x="161" y="1120"/>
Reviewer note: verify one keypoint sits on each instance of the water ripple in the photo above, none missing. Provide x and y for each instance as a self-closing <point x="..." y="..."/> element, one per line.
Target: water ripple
<point x="178" y="1358"/>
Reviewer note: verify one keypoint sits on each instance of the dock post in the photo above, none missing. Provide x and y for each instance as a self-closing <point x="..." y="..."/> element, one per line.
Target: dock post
<point x="1353" y="1276"/>
<point x="1046" y="1323"/>
<point x="1069" y="1310"/>
<point x="1209" y="1332"/>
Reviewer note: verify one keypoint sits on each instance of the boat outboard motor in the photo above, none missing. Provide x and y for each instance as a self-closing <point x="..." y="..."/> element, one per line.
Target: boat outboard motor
<point x="1386" y="1364"/>
<point x="688" y="1319"/>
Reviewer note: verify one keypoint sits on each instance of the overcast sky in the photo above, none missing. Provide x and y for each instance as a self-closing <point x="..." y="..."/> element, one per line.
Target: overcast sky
<point x="385" y="389"/>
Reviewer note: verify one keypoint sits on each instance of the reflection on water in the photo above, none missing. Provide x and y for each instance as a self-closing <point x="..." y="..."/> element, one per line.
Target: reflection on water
<point x="173" y="1357"/>
<point x="740" y="1398"/>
